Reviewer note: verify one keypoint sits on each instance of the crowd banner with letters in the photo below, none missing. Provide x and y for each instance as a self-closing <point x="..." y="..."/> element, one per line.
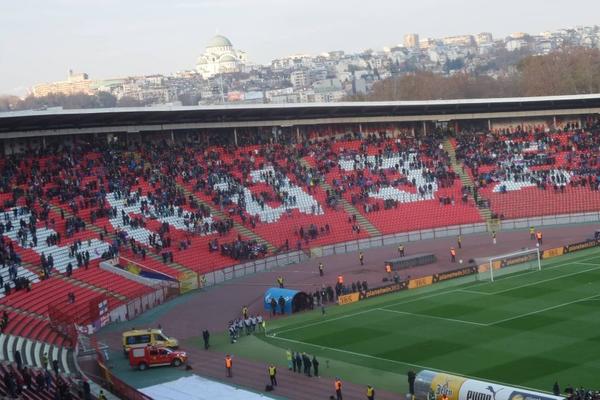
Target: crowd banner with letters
<point x="188" y="281"/>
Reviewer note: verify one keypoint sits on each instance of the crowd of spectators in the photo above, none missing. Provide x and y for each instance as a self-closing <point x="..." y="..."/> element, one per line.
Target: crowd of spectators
<point x="153" y="178"/>
<point x="547" y="159"/>
<point x="20" y="381"/>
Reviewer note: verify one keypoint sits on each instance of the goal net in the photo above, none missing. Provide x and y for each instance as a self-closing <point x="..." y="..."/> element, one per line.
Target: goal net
<point x="502" y="265"/>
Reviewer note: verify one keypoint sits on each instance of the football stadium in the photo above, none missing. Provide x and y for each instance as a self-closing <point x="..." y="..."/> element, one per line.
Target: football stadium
<point x="420" y="250"/>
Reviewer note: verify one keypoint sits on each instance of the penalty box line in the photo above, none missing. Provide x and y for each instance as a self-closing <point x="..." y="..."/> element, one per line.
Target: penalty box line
<point x="536" y="282"/>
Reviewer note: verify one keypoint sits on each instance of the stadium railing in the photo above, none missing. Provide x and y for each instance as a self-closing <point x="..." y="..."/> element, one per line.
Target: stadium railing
<point x="112" y="383"/>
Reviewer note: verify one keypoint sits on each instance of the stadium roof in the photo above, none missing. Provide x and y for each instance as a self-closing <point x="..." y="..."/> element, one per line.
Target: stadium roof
<point x="55" y="122"/>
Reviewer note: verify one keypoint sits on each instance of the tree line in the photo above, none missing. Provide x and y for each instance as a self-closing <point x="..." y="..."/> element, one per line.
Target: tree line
<point x="565" y="72"/>
<point x="568" y="71"/>
<point x="73" y="101"/>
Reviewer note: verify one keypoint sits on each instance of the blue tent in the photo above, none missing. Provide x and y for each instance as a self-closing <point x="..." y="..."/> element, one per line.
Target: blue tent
<point x="294" y="299"/>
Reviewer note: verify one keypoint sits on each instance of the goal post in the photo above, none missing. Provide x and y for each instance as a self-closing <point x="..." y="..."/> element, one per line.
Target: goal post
<point x="519" y="261"/>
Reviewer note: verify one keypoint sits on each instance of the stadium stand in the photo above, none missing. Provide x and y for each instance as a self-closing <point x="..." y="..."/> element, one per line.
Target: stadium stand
<point x="199" y="207"/>
<point x="531" y="170"/>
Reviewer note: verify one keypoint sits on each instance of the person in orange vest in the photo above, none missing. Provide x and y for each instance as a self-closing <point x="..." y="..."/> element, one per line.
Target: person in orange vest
<point x="228" y="365"/>
<point x="338" y="388"/>
<point x="340" y="279"/>
<point x="538" y="235"/>
<point x="452" y="254"/>
<point x="388" y="269"/>
<point x="361" y="258"/>
<point x="444" y="396"/>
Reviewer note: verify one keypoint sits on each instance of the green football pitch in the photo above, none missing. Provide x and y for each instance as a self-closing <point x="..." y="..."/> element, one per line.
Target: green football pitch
<point x="528" y="329"/>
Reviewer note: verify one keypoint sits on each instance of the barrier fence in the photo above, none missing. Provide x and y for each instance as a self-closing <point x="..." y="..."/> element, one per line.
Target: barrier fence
<point x="112" y="382"/>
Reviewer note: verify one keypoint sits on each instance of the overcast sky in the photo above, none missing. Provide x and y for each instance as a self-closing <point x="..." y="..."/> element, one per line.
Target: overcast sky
<point x="41" y="39"/>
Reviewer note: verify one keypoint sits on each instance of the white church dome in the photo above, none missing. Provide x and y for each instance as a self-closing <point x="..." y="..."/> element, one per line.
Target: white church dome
<point x="219" y="41"/>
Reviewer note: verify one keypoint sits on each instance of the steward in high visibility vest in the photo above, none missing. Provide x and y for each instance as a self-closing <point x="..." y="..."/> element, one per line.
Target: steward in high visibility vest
<point x="532" y="233"/>
<point x="338" y="388"/>
<point x="288" y="355"/>
<point x="272" y="373"/>
<point x="228" y="365"/>
<point x="370" y="393"/>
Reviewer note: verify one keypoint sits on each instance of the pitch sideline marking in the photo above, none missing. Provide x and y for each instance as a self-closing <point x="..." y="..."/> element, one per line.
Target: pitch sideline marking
<point x="461" y="321"/>
<point x="405" y="363"/>
<point x="361" y="312"/>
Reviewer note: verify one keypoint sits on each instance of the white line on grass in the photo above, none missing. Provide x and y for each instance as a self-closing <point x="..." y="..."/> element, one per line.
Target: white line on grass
<point x="543" y="310"/>
<point x="558" y="265"/>
<point x="532" y="283"/>
<point x="432" y="317"/>
<point x="585" y="263"/>
<point x="324" y="321"/>
<point x="352" y="353"/>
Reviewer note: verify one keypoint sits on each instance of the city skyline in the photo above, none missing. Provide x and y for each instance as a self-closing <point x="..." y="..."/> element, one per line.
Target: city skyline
<point x="109" y="41"/>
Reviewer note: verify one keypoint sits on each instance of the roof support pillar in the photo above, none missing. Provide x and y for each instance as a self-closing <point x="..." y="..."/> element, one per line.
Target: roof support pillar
<point x="235" y="136"/>
<point x="298" y="134"/>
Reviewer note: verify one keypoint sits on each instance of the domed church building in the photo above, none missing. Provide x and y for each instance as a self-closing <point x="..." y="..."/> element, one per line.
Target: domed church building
<point x="220" y="57"/>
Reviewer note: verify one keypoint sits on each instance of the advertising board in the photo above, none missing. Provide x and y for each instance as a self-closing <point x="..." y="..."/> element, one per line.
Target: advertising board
<point x="456" y="273"/>
<point x="555" y="252"/>
<point x="348" y="298"/>
<point x="420" y="282"/>
<point x="378" y="291"/>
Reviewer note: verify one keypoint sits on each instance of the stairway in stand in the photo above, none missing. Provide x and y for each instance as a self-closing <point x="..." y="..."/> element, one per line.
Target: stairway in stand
<point x="239" y="227"/>
<point x="363" y="222"/>
<point x="466" y="180"/>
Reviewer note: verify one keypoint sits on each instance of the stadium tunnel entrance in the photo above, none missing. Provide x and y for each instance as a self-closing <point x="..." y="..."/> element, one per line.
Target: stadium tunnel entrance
<point x="295" y="300"/>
